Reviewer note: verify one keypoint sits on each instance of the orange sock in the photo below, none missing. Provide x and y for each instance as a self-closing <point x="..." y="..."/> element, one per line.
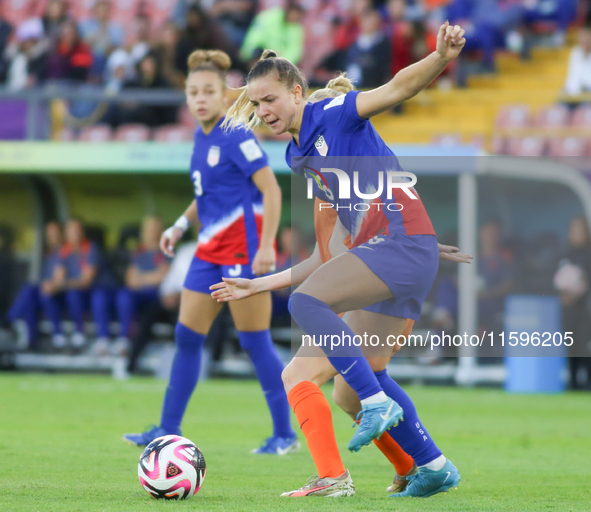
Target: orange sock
<point x="315" y="419"/>
<point x="401" y="460"/>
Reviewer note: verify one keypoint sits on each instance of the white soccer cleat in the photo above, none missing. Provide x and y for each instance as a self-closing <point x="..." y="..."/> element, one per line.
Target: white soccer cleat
<point x="326" y="487"/>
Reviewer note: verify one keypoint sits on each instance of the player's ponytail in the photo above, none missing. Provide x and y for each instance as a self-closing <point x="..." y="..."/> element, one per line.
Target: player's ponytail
<point x="210" y="60"/>
<point x="336" y="87"/>
<point x="242" y="111"/>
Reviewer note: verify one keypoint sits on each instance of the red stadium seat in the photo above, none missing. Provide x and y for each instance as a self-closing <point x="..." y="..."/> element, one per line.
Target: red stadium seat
<point x="173" y="133"/>
<point x="186" y="119"/>
<point x="81" y="9"/>
<point x="499" y="145"/>
<point x="581" y="117"/>
<point x="96" y="133"/>
<point x="555" y="116"/>
<point x="447" y="139"/>
<point x="159" y="11"/>
<point x="513" y="116"/>
<point x="17" y="11"/>
<point x="567" y="146"/>
<point x="132" y="132"/>
<point x="124" y="12"/>
<point x="67" y="135"/>
<point x="526" y="146"/>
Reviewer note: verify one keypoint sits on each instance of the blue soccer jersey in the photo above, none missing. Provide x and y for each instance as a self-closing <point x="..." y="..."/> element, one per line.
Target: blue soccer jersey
<point x="229" y="204"/>
<point x="331" y="135"/>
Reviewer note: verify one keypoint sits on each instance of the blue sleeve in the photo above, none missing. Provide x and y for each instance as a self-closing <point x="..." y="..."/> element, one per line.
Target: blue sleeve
<point x="94" y="256"/>
<point x="341" y="114"/>
<point x="246" y="153"/>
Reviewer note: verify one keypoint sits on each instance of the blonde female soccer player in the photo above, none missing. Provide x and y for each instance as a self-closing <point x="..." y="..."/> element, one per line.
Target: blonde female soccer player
<point x="390" y="272"/>
<point x="237" y="204"/>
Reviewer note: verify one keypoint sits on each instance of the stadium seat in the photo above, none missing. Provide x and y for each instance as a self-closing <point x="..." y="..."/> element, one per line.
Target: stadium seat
<point x="526" y="146"/>
<point x="447" y="139"/>
<point x="81" y="9"/>
<point x="96" y="133"/>
<point x="581" y="117"/>
<point x="568" y="146"/>
<point x="17" y="11"/>
<point x="186" y="119"/>
<point x="499" y="145"/>
<point x="554" y="116"/>
<point x="513" y="116"/>
<point x="67" y="135"/>
<point x="124" y="12"/>
<point x="173" y="133"/>
<point x="132" y="132"/>
<point x="159" y="11"/>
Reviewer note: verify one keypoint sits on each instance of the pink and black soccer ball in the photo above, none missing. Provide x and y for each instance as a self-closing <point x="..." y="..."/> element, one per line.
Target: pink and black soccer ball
<point x="171" y="468"/>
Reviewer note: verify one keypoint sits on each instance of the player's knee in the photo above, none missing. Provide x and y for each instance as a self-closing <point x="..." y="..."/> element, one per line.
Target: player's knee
<point x="186" y="339"/>
<point x="378" y="364"/>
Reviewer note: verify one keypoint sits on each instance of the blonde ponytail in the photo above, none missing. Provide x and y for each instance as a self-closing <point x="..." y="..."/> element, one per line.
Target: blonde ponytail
<point x="336" y="87"/>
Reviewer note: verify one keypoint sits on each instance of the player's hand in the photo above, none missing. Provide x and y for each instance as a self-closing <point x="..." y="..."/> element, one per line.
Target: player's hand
<point x="451" y="253"/>
<point x="169" y="239"/>
<point x="264" y="261"/>
<point x="450" y="40"/>
<point x="233" y="289"/>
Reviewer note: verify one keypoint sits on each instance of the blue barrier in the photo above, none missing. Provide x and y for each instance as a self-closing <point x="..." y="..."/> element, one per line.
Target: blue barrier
<point x="531" y="369"/>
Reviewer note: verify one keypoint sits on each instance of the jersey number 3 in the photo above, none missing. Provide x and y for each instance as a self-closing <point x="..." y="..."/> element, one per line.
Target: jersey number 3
<point x="197" y="183"/>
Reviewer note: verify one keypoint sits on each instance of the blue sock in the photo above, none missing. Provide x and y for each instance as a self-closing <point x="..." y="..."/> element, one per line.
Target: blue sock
<point x="317" y="319"/>
<point x="268" y="367"/>
<point x="410" y="434"/>
<point x="183" y="377"/>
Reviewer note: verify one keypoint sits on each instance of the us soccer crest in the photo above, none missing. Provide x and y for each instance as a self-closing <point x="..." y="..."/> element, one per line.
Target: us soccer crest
<point x="213" y="156"/>
<point x="321" y="145"/>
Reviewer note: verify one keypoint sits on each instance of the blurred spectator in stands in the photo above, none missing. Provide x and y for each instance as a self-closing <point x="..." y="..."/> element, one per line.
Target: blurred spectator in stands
<point x="179" y="14"/>
<point x="48" y="295"/>
<point x="578" y="77"/>
<point x="574" y="296"/>
<point x="495" y="271"/>
<point x="401" y="36"/>
<point x="119" y="69"/>
<point x="142" y="280"/>
<point x="292" y="251"/>
<point x="278" y="29"/>
<point x="28" y="56"/>
<point x="148" y="77"/>
<point x="5" y="33"/>
<point x="235" y="16"/>
<point x="166" y="51"/>
<point x="102" y="34"/>
<point x="368" y="56"/>
<point x="166" y="310"/>
<point x="346" y="34"/>
<point x="141" y="42"/>
<point x="202" y="32"/>
<point x="56" y="12"/>
<point x="70" y="58"/>
<point x="88" y="285"/>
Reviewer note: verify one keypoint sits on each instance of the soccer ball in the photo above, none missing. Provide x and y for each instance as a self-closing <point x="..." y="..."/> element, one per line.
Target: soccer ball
<point x="571" y="279"/>
<point x="171" y="467"/>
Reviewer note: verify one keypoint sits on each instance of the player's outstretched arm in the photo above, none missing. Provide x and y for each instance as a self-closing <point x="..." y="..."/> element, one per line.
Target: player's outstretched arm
<point x="413" y="79"/>
<point x="174" y="233"/>
<point x="237" y="288"/>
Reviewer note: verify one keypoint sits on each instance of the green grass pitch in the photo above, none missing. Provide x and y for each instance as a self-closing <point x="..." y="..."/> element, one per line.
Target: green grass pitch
<point x="61" y="449"/>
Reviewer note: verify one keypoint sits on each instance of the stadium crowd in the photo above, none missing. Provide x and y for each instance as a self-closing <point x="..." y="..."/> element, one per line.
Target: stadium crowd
<point x="136" y="43"/>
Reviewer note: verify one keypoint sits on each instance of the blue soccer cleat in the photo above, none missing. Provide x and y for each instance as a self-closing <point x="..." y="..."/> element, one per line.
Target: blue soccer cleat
<point x="278" y="446"/>
<point x="428" y="482"/>
<point x="148" y="436"/>
<point x="375" y="420"/>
